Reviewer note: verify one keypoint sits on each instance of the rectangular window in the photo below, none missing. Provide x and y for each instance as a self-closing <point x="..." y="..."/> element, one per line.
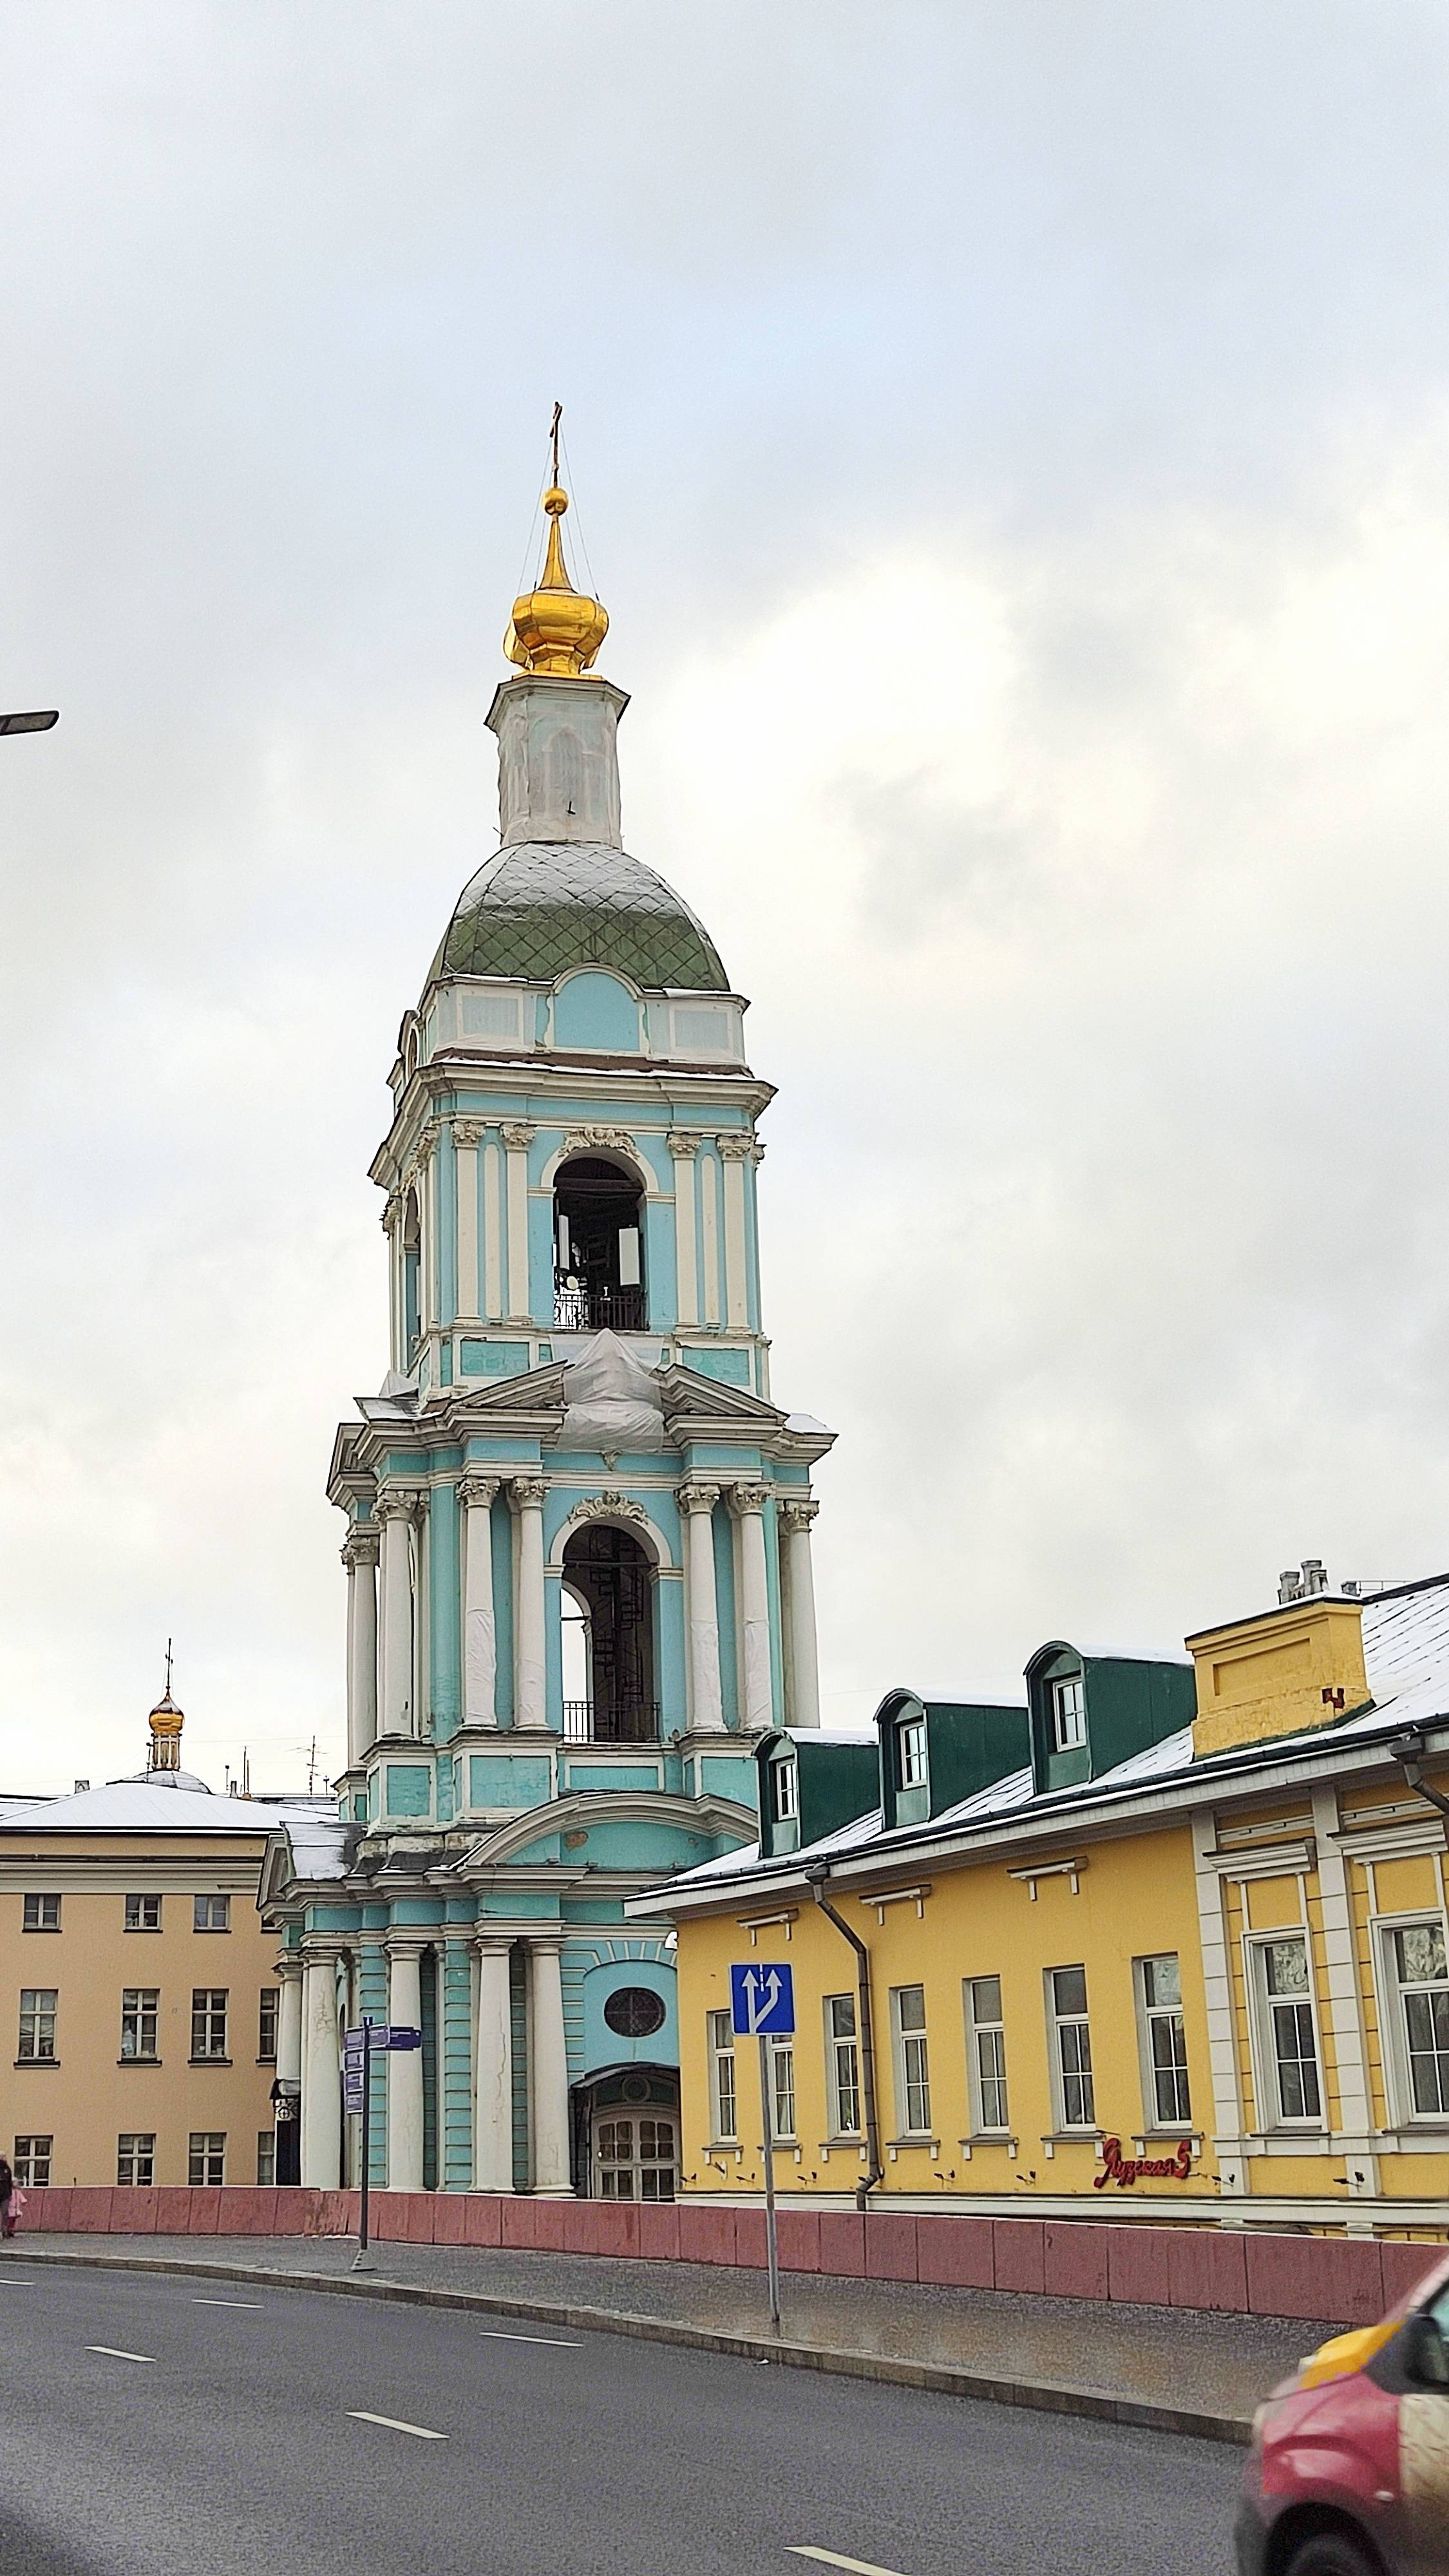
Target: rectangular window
<point x="1290" y="2042"/>
<point x="1421" y="1981"/>
<point x="208" y="2021"/>
<point x="722" y="2112"/>
<point x="1072" y="2048"/>
<point x="784" y="1796"/>
<point x="913" y="2080"/>
<point x="266" y="2155"/>
<point x="842" y="2066"/>
<point x="136" y="2157"/>
<point x="42" y="1914"/>
<point x="30" y="2163"/>
<point x="206" y="2159"/>
<point x="37" y="2024"/>
<point x="1069" y="1715"/>
<point x="782" y="2087"/>
<point x="986" y="2053"/>
<point x="911" y="1754"/>
<point x="1166" y="2099"/>
<point x="139" y="2008"/>
<point x="267" y="2025"/>
<point x="143" y="1914"/>
<point x="211" y="1914"/>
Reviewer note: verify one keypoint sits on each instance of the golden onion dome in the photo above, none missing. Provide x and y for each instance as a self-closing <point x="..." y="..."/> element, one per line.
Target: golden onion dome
<point x="556" y="630"/>
<point x="166" y="1718"/>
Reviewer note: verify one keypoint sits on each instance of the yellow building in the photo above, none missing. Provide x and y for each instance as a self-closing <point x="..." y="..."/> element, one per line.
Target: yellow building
<point x="141" y="1990"/>
<point x="1170" y="1939"/>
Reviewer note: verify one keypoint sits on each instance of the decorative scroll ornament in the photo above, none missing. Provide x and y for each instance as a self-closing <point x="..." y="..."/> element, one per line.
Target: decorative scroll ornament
<point x="599" y="1140"/>
<point x="607" y="1505"/>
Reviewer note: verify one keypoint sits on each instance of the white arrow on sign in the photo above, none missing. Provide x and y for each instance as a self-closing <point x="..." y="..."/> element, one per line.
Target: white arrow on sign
<point x="757" y="1987"/>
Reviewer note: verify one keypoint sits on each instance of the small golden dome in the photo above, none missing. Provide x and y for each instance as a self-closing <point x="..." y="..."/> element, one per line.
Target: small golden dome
<point x="556" y="629"/>
<point x="166" y="1718"/>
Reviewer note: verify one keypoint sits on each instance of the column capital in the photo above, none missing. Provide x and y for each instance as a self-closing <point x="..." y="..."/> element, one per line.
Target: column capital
<point x="360" y="1547"/>
<point x="320" y="1949"/>
<point x="392" y="1210"/>
<point x="526" y="1493"/>
<point x="549" y="1944"/>
<point x="399" y="1503"/>
<point x="746" y="1500"/>
<point x="734" y="1148"/>
<point x="289" y="1964"/>
<point x="799" y="1515"/>
<point x="475" y="1490"/>
<point x="682" y="1145"/>
<point x="426" y="1145"/>
<point x="409" y="1941"/>
<point x="517" y="1135"/>
<point x="692" y="1497"/>
<point x="492" y="1945"/>
<point x="468" y="1131"/>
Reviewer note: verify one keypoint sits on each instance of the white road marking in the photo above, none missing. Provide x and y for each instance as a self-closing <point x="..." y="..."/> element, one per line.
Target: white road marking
<point x="360" y="2415"/>
<point x="111" y="2353"/>
<point x="500" y="2334"/>
<point x="228" y="2303"/>
<point x="832" y="2558"/>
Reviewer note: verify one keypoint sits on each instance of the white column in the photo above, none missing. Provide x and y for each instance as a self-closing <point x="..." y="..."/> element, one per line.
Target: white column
<point x="405" y="2066"/>
<point x="550" y="2072"/>
<point x="493" y="2071"/>
<point x="530" y="1706"/>
<point x="686" y="1267"/>
<point x="427" y="1188"/>
<point x="395" y="1511"/>
<point x="517" y="1140"/>
<point x="289" y="2021"/>
<point x="321" y="2074"/>
<point x="747" y="1502"/>
<point x="480" y="1665"/>
<point x="359" y="1555"/>
<point x="804" y="1653"/>
<point x="709" y="1236"/>
<point x="466" y="1135"/>
<point x="735" y="1152"/>
<point x="492" y="1233"/>
<point x="706" y="1704"/>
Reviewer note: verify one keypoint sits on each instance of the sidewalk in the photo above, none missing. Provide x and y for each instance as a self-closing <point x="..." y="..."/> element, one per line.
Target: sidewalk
<point x="1187" y="2371"/>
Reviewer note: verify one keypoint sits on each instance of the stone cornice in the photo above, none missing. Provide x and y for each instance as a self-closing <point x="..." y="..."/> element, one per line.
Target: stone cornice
<point x="661" y="1089"/>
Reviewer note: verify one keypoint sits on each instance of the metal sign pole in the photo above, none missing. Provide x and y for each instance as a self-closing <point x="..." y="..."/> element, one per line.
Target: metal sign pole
<point x="772" y="2248"/>
<point x="359" y="2261"/>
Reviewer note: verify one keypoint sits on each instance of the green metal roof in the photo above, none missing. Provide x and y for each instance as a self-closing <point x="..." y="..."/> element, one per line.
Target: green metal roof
<point x="538" y="907"/>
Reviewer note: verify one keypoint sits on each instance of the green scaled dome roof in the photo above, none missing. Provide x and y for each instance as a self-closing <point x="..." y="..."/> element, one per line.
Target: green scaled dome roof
<point x="540" y="907"/>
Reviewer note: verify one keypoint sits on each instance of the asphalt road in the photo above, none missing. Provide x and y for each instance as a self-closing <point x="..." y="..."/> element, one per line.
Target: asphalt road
<point x="150" y="2426"/>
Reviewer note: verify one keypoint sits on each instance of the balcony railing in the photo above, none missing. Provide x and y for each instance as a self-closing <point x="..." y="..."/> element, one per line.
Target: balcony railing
<point x="630" y="1721"/>
<point x="581" y="1306"/>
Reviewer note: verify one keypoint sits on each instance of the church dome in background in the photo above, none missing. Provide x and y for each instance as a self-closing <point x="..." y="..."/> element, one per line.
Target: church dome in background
<point x="537" y="908"/>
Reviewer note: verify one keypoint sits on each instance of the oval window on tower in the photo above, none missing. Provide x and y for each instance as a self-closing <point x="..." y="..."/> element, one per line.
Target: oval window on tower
<point x="634" y="2012"/>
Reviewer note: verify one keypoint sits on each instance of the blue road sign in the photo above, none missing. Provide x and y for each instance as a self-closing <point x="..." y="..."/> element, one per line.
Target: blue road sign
<point x="398" y="2034"/>
<point x="762" y="1999"/>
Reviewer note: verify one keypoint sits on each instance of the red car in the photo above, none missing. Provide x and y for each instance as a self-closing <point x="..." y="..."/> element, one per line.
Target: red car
<point x="1349" y="2469"/>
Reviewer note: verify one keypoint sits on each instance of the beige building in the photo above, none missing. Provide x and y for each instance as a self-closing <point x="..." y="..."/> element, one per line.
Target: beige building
<point x="142" y="1996"/>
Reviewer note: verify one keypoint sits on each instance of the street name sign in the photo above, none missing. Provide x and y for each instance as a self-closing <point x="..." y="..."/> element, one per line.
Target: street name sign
<point x="762" y="2000"/>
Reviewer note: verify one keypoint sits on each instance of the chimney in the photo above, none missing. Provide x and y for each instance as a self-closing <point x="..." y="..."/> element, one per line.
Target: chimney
<point x="1283" y="1670"/>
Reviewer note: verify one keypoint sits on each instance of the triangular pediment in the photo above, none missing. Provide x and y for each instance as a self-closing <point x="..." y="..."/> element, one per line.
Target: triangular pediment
<point x="537" y="1390"/>
<point x="692" y="1397"/>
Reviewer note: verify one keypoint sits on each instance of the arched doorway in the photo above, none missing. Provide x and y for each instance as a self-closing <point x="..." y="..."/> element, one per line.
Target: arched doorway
<point x="611" y="1579"/>
<point x="626" y="2134"/>
<point x="598" y="1233"/>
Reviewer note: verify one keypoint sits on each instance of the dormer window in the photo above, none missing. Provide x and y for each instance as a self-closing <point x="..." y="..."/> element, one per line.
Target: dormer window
<point x="911" y="1754"/>
<point x="1069" y="1715"/>
<point x="784" y="1793"/>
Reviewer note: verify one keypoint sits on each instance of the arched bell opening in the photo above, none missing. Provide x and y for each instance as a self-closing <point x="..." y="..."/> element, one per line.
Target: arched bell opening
<point x="598" y="1233"/>
<point x="608" y="1620"/>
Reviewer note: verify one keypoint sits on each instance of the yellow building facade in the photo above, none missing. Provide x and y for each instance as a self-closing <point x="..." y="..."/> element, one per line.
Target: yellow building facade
<point x="1184" y="1953"/>
<point x="143" y="2011"/>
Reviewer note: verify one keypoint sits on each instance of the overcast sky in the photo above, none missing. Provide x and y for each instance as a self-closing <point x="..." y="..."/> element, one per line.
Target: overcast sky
<point x="1012" y="442"/>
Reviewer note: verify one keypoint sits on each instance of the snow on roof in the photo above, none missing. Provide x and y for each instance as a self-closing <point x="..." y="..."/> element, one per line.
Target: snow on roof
<point x="320" y="1844"/>
<point x="155" y="1803"/>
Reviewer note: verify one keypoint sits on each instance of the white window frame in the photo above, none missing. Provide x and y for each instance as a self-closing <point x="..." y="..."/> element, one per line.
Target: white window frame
<point x="720" y="2042"/>
<point x="905" y="2042"/>
<point x="784" y="2103"/>
<point x="784" y="1792"/>
<point x="43" y="2008"/>
<point x="206" y="2148"/>
<point x="912" y="1758"/>
<point x="135" y="2148"/>
<point x="842" y="2045"/>
<point x="1057" y="2022"/>
<point x="1266" y="2097"/>
<point x="1390" y="1998"/>
<point x="1067" y="1701"/>
<point x="140" y="2005"/>
<point x="40" y="1913"/>
<point x="211" y="1913"/>
<point x="36" y="2148"/>
<point x="976" y="2080"/>
<point x="269" y="2010"/>
<point x="210" y="2017"/>
<point x="143" y="1905"/>
<point x="1147" y="2014"/>
<point x="266" y="2157"/>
